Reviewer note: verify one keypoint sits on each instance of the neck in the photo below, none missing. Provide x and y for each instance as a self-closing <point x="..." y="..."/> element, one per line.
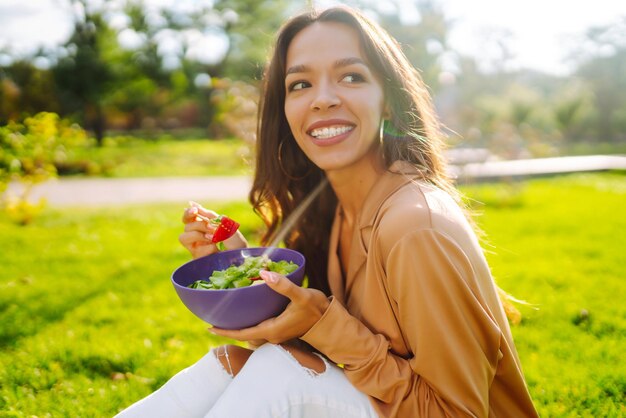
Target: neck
<point x="352" y="184"/>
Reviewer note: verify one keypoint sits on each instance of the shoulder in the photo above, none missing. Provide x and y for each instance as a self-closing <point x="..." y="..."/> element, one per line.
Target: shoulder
<point x="418" y="205"/>
<point x="423" y="233"/>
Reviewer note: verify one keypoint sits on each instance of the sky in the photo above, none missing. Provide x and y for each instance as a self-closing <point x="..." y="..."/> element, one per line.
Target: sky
<point x="540" y="32"/>
<point x="543" y="31"/>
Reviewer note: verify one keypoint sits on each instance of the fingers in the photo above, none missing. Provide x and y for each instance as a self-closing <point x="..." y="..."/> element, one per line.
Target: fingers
<point x="190" y="214"/>
<point x="274" y="330"/>
<point x="306" y="308"/>
<point x="188" y="238"/>
<point x="284" y="286"/>
<point x="263" y="331"/>
<point x="198" y="235"/>
<point x="198" y="232"/>
<point x="254" y="344"/>
<point x="306" y="299"/>
<point x="198" y="243"/>
<point x="195" y="211"/>
<point x="200" y="226"/>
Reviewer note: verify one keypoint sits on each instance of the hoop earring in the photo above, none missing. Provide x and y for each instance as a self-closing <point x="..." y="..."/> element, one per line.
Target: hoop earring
<point x="282" y="168"/>
<point x="381" y="134"/>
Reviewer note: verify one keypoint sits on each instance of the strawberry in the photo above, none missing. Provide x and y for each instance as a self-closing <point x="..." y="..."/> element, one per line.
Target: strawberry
<point x="226" y="228"/>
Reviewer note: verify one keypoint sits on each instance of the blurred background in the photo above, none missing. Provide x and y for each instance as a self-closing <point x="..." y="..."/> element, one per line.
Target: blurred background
<point x="521" y="80"/>
<point x="161" y="95"/>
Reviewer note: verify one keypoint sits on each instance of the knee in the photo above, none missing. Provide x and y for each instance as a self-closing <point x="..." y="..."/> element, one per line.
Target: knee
<point x="232" y="357"/>
<point x="307" y="359"/>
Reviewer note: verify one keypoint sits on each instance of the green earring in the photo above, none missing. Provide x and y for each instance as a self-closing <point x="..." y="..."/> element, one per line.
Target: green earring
<point x="390" y="130"/>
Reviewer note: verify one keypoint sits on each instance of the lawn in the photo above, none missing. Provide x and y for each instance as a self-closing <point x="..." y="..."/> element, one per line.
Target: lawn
<point x="164" y="156"/>
<point x="89" y="321"/>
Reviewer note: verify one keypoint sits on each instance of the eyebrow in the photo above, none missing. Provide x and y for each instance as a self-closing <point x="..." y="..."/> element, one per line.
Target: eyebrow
<point x="343" y="62"/>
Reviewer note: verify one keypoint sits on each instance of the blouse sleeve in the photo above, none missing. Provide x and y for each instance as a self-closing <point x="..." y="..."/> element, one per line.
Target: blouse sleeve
<point x="453" y="338"/>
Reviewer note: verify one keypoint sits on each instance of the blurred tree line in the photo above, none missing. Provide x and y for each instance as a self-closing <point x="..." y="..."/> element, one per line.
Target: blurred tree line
<point x="130" y="66"/>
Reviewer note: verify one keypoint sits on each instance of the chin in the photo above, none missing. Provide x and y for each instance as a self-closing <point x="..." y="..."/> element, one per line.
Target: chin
<point x="335" y="166"/>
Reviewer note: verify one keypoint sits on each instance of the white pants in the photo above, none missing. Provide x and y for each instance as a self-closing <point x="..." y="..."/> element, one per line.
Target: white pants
<point x="272" y="384"/>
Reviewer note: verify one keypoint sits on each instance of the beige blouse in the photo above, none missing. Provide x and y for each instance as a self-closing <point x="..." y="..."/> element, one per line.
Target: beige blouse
<point x="417" y="322"/>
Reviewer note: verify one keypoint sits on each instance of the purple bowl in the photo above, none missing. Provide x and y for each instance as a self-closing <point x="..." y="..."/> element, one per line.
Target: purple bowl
<point x="234" y="308"/>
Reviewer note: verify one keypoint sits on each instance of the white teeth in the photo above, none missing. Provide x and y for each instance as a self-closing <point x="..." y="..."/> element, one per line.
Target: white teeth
<point x="323" y="133"/>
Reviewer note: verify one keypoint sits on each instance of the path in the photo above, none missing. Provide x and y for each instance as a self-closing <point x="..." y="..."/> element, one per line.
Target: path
<point x="497" y="170"/>
<point x="102" y="191"/>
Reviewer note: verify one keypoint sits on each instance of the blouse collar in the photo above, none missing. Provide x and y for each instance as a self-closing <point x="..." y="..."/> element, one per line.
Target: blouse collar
<point x="397" y="175"/>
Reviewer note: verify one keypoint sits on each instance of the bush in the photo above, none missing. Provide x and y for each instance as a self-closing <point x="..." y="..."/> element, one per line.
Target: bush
<point x="29" y="152"/>
<point x="236" y="104"/>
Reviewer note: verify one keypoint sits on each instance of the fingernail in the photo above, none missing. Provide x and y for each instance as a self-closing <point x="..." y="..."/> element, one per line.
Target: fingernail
<point x="208" y="236"/>
<point x="268" y="276"/>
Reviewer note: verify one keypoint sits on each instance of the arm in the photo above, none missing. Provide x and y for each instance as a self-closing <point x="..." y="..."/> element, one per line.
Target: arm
<point x="454" y="341"/>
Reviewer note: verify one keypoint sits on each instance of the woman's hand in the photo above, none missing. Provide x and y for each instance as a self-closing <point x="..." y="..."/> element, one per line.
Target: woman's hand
<point x="306" y="308"/>
<point x="199" y="232"/>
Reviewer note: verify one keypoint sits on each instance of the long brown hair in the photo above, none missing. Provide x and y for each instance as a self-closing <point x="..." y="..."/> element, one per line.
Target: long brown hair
<point x="284" y="176"/>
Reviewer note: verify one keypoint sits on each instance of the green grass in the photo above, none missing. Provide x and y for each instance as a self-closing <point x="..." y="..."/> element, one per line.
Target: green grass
<point x="560" y="245"/>
<point x="132" y="157"/>
<point x="89" y="321"/>
<point x="88" y="318"/>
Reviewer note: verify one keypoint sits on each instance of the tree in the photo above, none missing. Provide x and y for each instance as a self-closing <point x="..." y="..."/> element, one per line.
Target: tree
<point x="83" y="77"/>
<point x="25" y="90"/>
<point x="424" y="42"/>
<point x="244" y="26"/>
<point x="572" y="108"/>
<point x="602" y="63"/>
<point x="250" y="26"/>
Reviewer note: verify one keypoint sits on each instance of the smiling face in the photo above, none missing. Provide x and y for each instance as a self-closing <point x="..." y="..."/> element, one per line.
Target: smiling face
<point x="334" y="104"/>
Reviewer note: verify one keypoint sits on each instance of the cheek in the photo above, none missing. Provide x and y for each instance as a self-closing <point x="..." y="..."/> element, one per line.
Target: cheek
<point x="375" y="115"/>
<point x="294" y="121"/>
<point x="372" y="104"/>
<point x="381" y="105"/>
<point x="291" y="114"/>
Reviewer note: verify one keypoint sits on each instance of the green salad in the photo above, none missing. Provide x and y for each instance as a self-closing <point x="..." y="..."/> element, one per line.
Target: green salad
<point x="245" y="274"/>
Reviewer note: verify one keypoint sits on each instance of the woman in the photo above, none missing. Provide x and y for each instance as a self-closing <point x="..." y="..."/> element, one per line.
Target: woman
<point x="399" y="291"/>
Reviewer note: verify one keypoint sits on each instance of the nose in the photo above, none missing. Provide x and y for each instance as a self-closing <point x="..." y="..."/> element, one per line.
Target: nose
<point x="325" y="97"/>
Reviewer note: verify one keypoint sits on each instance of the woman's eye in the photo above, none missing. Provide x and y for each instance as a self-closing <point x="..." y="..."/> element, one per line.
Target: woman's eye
<point x="353" y="78"/>
<point x="298" y="85"/>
